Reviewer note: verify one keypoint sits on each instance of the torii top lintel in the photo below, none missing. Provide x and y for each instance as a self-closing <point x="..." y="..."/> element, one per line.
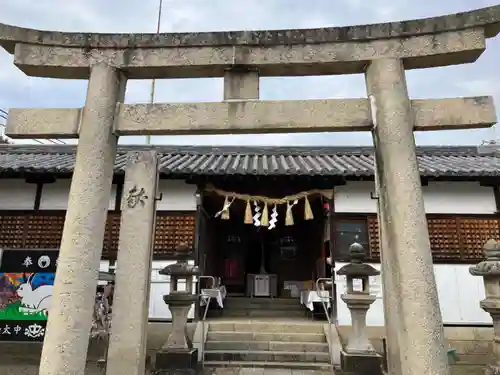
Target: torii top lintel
<point x="485" y="18"/>
<point x="437" y="41"/>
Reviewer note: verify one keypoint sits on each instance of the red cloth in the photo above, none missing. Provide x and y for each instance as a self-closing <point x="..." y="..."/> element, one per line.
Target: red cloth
<point x="231" y="268"/>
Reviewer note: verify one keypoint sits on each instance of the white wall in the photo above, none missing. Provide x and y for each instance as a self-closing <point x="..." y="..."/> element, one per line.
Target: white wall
<point x="459" y="292"/>
<point x="354" y="196"/>
<point x="459" y="296"/>
<point x="160" y="286"/>
<point x="55" y="196"/>
<point x="447" y="197"/>
<point x="439" y="197"/>
<point x="177" y="196"/>
<point x="16" y="194"/>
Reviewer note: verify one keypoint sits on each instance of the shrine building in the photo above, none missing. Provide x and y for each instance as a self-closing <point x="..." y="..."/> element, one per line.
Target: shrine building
<point x="243" y="211"/>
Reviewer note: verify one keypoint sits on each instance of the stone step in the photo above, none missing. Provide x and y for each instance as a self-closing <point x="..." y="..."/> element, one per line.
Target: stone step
<point x="270" y="326"/>
<point x="312" y="368"/>
<point x="266" y="336"/>
<point x="263" y="306"/>
<point x="276" y="346"/>
<point x="235" y="301"/>
<point x="263" y="313"/>
<point x="266" y="356"/>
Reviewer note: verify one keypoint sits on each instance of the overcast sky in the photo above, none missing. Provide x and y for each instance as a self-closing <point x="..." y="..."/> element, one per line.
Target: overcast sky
<point x="18" y="90"/>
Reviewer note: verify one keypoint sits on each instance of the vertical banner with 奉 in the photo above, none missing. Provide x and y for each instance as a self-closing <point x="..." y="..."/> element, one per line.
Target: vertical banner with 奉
<point x="26" y="283"/>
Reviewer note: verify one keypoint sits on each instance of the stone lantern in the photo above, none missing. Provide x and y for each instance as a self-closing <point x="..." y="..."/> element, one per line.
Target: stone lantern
<point x="178" y="356"/>
<point x="359" y="356"/>
<point x="489" y="269"/>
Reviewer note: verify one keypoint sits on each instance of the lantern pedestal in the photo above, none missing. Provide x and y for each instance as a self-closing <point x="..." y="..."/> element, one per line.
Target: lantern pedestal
<point x="178" y="361"/>
<point x="178" y="355"/>
<point x="359" y="357"/>
<point x="358" y="305"/>
<point x="361" y="364"/>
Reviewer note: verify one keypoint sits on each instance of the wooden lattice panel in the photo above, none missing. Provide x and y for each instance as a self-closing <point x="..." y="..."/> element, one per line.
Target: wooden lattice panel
<point x="373" y="237"/>
<point x="44" y="232"/>
<point x="474" y="232"/>
<point x="12" y="231"/>
<point x="443" y="235"/>
<point x="172" y="231"/>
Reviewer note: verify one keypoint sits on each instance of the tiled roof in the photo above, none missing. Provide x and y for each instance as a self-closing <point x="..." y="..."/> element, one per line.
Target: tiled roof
<point x="309" y="161"/>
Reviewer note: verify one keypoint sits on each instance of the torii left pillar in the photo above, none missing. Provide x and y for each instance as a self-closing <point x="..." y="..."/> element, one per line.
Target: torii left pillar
<point x="68" y="328"/>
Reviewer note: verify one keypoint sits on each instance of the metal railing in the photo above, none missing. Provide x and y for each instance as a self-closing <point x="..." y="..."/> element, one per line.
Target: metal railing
<point x="331" y="300"/>
<point x="322" y="298"/>
<point x="204" y="316"/>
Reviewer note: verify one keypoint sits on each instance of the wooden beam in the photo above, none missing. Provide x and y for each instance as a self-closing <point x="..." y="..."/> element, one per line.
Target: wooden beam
<point x="496" y="193"/>
<point x="38" y="196"/>
<point x="118" y="196"/>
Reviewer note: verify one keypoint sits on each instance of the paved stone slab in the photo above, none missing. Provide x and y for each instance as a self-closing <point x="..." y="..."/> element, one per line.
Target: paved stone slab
<point x="253" y="371"/>
<point x="262" y="371"/>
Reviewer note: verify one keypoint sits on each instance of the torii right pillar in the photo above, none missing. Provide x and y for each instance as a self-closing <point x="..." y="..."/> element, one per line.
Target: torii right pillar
<point x="416" y="323"/>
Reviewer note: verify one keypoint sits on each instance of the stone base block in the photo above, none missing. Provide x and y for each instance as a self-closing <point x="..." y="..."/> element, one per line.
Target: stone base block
<point x="492" y="370"/>
<point x="361" y="364"/>
<point x="176" y="362"/>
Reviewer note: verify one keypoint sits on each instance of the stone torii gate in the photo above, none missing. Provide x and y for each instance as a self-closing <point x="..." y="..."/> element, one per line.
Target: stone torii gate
<point x="381" y="51"/>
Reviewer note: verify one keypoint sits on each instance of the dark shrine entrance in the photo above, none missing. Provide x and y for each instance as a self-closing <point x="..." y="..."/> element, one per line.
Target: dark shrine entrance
<point x="241" y="253"/>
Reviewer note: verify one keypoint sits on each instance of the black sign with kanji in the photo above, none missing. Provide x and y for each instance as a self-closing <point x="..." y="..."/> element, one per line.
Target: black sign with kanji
<point x="22" y="330"/>
<point x="28" y="260"/>
<point x="26" y="283"/>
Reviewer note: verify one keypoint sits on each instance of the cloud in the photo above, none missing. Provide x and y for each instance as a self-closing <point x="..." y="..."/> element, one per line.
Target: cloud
<point x="17" y="90"/>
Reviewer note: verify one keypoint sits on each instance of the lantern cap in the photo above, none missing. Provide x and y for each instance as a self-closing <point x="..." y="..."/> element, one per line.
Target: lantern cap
<point x="180" y="269"/>
<point x="491" y="250"/>
<point x="490" y="267"/>
<point x="358" y="270"/>
<point x="357" y="252"/>
<point x="356" y="267"/>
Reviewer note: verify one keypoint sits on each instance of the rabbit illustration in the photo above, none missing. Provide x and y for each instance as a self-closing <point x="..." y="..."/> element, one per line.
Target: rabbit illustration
<point x="34" y="300"/>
